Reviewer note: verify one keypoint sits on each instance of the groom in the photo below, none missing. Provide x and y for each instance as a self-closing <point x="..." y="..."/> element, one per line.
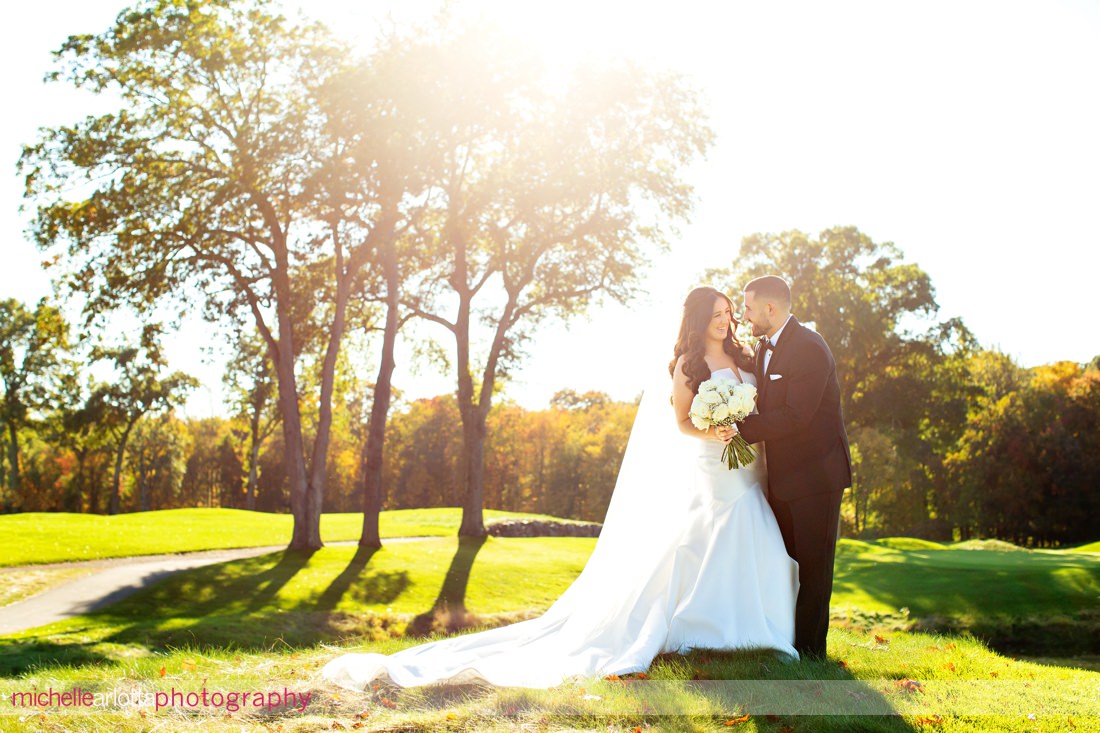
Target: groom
<point x="809" y="464"/>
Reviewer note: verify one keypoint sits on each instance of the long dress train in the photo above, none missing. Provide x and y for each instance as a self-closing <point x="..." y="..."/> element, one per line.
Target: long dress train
<point x="719" y="577"/>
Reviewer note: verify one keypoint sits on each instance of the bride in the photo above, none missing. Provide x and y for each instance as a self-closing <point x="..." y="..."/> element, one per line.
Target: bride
<point x="690" y="555"/>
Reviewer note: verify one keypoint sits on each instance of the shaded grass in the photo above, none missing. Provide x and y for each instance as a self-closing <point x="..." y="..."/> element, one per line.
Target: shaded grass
<point x="39" y="537"/>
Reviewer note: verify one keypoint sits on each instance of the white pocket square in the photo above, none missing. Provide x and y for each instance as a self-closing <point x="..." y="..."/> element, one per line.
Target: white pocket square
<point x="774" y="377"/>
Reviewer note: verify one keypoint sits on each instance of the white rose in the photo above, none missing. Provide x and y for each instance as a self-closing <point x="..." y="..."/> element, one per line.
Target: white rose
<point x="709" y="386"/>
<point x="744" y="399"/>
<point x="709" y="398"/>
<point x="720" y="413"/>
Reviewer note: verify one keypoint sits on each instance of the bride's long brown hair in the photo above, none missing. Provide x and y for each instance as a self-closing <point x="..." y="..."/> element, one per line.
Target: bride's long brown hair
<point x="691" y="343"/>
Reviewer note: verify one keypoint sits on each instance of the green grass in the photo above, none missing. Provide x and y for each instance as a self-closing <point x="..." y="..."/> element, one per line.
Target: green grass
<point x="308" y="598"/>
<point x="38" y="537"/>
<point x="1035" y="602"/>
<point x="271" y="622"/>
<point x="923" y="682"/>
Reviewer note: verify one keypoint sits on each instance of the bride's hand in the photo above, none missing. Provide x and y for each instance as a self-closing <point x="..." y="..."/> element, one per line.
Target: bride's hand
<point x="724" y="433"/>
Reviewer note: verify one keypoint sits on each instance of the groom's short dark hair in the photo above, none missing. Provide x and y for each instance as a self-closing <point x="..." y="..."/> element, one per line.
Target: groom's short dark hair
<point x="771" y="287"/>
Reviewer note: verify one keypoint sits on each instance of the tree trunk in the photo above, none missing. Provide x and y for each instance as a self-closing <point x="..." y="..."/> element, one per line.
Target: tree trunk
<point x="306" y="534"/>
<point x="142" y="488"/>
<point x="473" y="435"/>
<point x="373" y="451"/>
<point x="253" y="460"/>
<point x="116" y="480"/>
<point x="473" y="429"/>
<point x="315" y="491"/>
<point x="13" y="459"/>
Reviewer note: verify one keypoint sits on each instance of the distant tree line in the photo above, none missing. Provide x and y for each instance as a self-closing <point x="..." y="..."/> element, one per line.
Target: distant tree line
<point x="957" y="442"/>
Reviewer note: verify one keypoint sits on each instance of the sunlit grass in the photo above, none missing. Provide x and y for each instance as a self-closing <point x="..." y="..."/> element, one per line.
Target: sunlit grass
<point x="269" y="623"/>
<point x="37" y="537"/>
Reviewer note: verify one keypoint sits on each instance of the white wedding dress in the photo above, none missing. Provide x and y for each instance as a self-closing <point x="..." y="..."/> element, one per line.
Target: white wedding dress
<point x="690" y="556"/>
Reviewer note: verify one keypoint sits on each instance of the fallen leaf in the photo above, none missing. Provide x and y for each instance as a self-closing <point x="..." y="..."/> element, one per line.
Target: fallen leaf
<point x="909" y="685"/>
<point x="842" y="663"/>
<point x="929" y="720"/>
<point x="950" y="646"/>
<point x="881" y="640"/>
<point x="613" y="678"/>
<point x="738" y="721"/>
<point x="388" y="703"/>
<point x="994" y="674"/>
<point x="163" y="671"/>
<point x="950" y="666"/>
<point x="188" y="665"/>
<point x="452" y="716"/>
<point x="363" y="715"/>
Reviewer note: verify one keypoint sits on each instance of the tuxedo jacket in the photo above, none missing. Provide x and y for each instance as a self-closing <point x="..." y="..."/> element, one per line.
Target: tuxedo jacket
<point x="799" y="420"/>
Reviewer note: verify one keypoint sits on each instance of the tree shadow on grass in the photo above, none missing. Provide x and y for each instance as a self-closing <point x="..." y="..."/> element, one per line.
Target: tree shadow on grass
<point x="29" y="655"/>
<point x="810" y="694"/>
<point x="448" y="614"/>
<point x="245" y="613"/>
<point x="343" y="582"/>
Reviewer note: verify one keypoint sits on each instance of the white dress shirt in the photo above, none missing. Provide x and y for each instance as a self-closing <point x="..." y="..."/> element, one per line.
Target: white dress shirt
<point x="774" y="340"/>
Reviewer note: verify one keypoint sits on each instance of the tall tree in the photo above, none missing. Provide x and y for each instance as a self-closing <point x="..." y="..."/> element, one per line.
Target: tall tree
<point x="136" y="390"/>
<point x="544" y="197"/>
<point x="203" y="181"/>
<point x="251" y="383"/>
<point x="376" y="191"/>
<point x="31" y="349"/>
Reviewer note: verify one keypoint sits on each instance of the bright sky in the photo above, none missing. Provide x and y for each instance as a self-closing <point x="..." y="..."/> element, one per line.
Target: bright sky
<point x="965" y="133"/>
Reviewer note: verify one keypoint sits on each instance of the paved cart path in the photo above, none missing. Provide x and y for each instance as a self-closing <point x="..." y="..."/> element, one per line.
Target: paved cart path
<point x="115" y="578"/>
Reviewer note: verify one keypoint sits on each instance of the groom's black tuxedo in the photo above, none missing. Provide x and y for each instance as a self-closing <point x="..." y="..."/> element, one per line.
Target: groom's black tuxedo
<point x="809" y="466"/>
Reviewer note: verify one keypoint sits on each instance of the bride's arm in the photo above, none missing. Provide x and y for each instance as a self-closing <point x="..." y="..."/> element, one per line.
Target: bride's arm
<point x="682" y="397"/>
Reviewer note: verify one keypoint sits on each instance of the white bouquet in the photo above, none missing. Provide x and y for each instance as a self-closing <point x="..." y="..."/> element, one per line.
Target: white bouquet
<point x="725" y="402"/>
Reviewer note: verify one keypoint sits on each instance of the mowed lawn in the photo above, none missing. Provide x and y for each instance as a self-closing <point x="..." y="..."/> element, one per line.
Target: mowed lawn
<point x="350" y="592"/>
<point x="41" y="537"/>
<point x="271" y="622"/>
